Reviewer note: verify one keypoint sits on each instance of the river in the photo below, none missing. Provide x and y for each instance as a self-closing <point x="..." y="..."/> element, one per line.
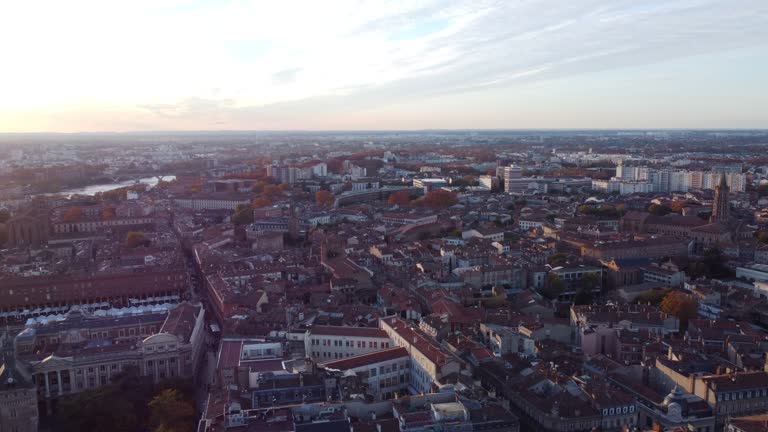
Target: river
<point x="103" y="187"/>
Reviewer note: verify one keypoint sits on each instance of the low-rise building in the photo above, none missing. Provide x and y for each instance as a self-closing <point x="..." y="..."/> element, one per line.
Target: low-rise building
<point x="325" y="343"/>
<point x="84" y="352"/>
<point x="430" y="363"/>
<point x="386" y="372"/>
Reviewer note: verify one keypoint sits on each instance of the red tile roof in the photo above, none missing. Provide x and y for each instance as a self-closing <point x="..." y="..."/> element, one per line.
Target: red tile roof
<point x="367" y="359"/>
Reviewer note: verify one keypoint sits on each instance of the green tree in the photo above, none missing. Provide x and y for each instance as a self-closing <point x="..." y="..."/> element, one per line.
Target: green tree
<point x="583" y="297"/>
<point x="557" y="259"/>
<point x="553" y="287"/>
<point x="171" y="413"/>
<point x="590" y="281"/>
<point x="102" y="409"/>
<point x="659" y="210"/>
<point x="243" y="215"/>
<point x="652" y="296"/>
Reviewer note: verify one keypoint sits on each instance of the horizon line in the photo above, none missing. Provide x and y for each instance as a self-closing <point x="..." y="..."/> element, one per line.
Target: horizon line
<point x="186" y="131"/>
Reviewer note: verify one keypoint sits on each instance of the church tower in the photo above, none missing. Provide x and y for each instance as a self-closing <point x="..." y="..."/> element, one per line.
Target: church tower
<point x="720" y="206"/>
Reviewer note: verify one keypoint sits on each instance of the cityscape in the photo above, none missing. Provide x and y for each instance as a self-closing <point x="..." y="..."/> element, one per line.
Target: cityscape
<point x="398" y="281"/>
<point x="384" y="216"/>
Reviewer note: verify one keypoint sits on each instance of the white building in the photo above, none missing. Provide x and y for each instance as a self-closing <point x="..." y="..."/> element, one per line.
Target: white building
<point x="324" y="343"/>
<point x="211" y="203"/>
<point x="755" y="272"/>
<point x="386" y="371"/>
<point x="429" y="362"/>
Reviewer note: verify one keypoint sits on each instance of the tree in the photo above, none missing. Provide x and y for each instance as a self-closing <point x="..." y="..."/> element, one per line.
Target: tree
<point x="261" y="201"/>
<point x="583" y="297"/>
<point x="347" y="186"/>
<point x="557" y="259"/>
<point x="135" y="239"/>
<point x="243" y="215"/>
<point x="401" y="198"/>
<point x="101" y="409"/>
<point x="590" y="281"/>
<point x="553" y="287"/>
<point x="324" y="198"/>
<point x="659" y="210"/>
<point x="5" y="215"/>
<point x="681" y="305"/>
<point x="108" y="213"/>
<point x="763" y="236"/>
<point x="170" y="413"/>
<point x="678" y="206"/>
<point x="440" y="199"/>
<point x="73" y="214"/>
<point x="652" y="296"/>
<point x="469" y="180"/>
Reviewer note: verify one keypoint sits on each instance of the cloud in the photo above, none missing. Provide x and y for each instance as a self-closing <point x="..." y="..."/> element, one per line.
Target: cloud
<point x="266" y="61"/>
<point x="285" y="76"/>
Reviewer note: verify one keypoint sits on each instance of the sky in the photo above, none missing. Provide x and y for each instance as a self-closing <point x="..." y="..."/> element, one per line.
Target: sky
<point x="103" y="65"/>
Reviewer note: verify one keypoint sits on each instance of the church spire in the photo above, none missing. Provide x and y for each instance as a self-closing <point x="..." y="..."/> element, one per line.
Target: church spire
<point x="720" y="206"/>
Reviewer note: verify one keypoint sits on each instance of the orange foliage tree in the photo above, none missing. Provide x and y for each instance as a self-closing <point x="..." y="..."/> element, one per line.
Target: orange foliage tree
<point x="108" y="213"/>
<point x="681" y="305"/>
<point x="324" y="198"/>
<point x="440" y="199"/>
<point x="401" y="198"/>
<point x="73" y="214"/>
<point x="261" y="201"/>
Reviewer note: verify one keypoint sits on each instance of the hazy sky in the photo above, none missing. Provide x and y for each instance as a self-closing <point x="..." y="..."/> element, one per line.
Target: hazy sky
<point x="336" y="64"/>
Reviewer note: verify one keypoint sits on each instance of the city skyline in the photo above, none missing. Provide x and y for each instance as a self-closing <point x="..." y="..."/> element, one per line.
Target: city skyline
<point x="94" y="66"/>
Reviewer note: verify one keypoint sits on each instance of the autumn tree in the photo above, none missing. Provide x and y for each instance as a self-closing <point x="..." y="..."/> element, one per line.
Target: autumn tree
<point x="135" y="239"/>
<point x="324" y="198"/>
<point x="171" y="413"/>
<point x="73" y="214"/>
<point x="681" y="305"/>
<point x="401" y="198"/>
<point x="440" y="199"/>
<point x="762" y="236"/>
<point x="261" y="201"/>
<point x="108" y="213"/>
<point x="678" y="206"/>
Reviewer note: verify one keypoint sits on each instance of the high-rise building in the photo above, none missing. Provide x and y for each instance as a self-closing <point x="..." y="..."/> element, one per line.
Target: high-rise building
<point x="512" y="179"/>
<point x="720" y="206"/>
